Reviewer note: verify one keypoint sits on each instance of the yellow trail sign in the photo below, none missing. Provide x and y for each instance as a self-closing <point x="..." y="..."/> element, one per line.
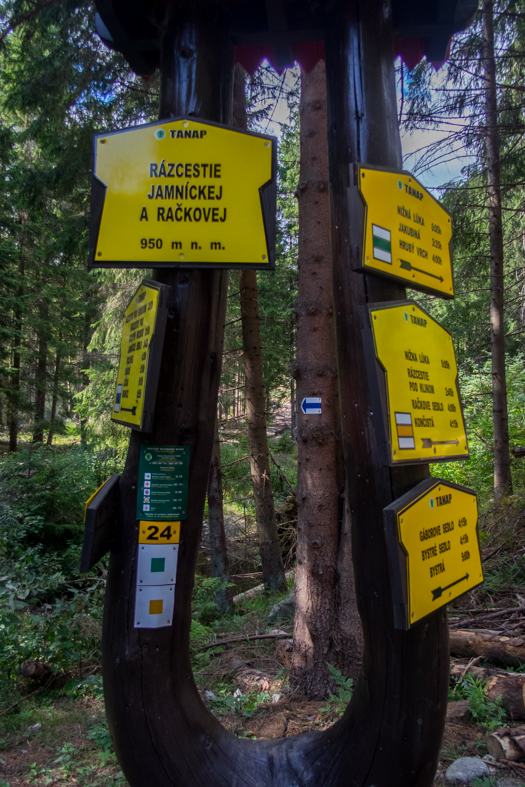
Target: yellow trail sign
<point x="407" y="233"/>
<point x="143" y="331"/>
<point x="433" y="548"/>
<point x="183" y="193"/>
<point x="418" y="385"/>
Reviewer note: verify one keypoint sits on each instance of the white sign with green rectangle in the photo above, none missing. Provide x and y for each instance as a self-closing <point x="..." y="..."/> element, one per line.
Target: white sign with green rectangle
<point x="382" y="244"/>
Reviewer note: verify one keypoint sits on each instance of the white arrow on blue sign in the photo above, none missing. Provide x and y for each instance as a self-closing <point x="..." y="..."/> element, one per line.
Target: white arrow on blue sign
<point x="311" y="405"/>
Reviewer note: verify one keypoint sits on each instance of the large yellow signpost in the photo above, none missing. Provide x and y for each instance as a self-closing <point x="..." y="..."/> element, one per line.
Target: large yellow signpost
<point x="433" y="548"/>
<point x="140" y="351"/>
<point x="183" y="193"/>
<point x="418" y="381"/>
<point x="407" y="234"/>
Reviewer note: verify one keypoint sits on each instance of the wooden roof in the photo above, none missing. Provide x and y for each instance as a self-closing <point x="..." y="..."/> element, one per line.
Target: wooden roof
<point x="283" y="31"/>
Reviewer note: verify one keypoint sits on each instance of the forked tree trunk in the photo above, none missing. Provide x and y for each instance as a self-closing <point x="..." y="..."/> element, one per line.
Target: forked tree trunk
<point x="164" y="736"/>
<point x="323" y="633"/>
<point x="218" y="548"/>
<point x="500" y="417"/>
<point x="270" y="550"/>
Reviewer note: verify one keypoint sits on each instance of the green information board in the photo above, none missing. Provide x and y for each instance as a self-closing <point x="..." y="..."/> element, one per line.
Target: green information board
<point x="163" y="483"/>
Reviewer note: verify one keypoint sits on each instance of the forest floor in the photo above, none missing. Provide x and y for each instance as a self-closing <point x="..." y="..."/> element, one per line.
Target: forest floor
<point x="56" y="740"/>
<point x="59" y="737"/>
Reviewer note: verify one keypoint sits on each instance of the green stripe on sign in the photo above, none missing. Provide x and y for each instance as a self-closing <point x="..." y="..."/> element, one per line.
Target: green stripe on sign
<point x="380" y="243"/>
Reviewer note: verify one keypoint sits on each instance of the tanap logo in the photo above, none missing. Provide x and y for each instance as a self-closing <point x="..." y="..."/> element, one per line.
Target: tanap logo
<point x="405" y="315"/>
<point x="400" y="185"/>
<point x="431" y="502"/>
<point x="160" y="133"/>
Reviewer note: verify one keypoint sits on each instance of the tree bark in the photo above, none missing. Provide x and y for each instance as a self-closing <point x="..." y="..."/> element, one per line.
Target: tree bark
<point x="271" y="557"/>
<point x="54" y="400"/>
<point x="41" y="375"/>
<point x="14" y="385"/>
<point x="218" y="548"/>
<point x="319" y="639"/>
<point x="502" y="472"/>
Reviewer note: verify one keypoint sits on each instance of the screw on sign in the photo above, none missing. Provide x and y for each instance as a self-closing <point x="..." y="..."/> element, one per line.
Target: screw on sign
<point x="163" y="734"/>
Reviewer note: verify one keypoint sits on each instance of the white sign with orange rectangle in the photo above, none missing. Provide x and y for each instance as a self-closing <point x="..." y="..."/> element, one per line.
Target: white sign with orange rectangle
<point x="154" y="606"/>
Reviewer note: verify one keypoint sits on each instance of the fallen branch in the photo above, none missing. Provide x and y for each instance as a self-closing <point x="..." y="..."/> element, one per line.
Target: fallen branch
<point x="498" y="614"/>
<point x="278" y="466"/>
<point x="507" y="745"/>
<point x="257" y="589"/>
<point x="246" y="638"/>
<point x="27" y="696"/>
<point x="496" y="649"/>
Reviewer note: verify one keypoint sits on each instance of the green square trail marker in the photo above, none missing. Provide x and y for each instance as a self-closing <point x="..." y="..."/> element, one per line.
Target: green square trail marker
<point x="158" y="564"/>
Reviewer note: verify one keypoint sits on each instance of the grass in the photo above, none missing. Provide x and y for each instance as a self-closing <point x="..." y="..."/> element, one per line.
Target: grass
<point x="60" y="740"/>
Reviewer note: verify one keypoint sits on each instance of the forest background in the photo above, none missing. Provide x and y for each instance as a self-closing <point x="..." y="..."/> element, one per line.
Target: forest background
<point x="60" y="324"/>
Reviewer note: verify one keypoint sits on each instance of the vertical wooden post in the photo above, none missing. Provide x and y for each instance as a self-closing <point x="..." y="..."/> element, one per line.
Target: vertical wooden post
<point x="197" y="81"/>
<point x="408" y="669"/>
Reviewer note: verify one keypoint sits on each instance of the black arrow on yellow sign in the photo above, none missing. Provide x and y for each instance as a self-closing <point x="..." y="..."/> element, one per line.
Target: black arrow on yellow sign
<point x="428" y="442"/>
<point x="439" y="591"/>
<point x="132" y="410"/>
<point x="409" y="267"/>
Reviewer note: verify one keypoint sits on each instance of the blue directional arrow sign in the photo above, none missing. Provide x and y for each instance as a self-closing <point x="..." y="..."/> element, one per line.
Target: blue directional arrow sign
<point x="311" y="405"/>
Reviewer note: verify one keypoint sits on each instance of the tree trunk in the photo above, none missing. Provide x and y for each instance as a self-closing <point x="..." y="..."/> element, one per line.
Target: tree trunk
<point x="347" y="645"/>
<point x="14" y="385"/>
<point x="271" y="558"/>
<point x="502" y="472"/>
<point x="293" y="392"/>
<point x="317" y="634"/>
<point x="494" y="648"/>
<point x="41" y="375"/>
<point x="55" y="398"/>
<point x="14" y="395"/>
<point x="218" y="549"/>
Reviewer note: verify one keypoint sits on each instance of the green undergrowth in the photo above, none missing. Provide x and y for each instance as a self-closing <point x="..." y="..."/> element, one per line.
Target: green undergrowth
<point x="60" y="738"/>
<point x="484" y="712"/>
<point x="247" y="617"/>
<point x="338" y="701"/>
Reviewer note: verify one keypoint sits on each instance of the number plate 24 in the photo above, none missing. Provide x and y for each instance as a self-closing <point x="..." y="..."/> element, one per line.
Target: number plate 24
<point x="159" y="532"/>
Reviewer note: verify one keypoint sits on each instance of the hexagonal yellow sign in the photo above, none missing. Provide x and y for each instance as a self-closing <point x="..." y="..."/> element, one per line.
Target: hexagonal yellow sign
<point x="407" y="233"/>
<point x="183" y="193"/>
<point x="417" y="371"/>
<point x="433" y="548"/>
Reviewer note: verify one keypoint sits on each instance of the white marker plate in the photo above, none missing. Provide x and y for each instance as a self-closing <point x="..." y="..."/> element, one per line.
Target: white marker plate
<point x="157" y="564"/>
<point x="154" y="606"/>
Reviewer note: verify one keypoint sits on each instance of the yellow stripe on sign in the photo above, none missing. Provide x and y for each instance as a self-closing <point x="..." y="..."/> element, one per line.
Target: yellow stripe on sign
<point x="404" y="431"/>
<point x="155" y="606"/>
<point x="159" y="532"/>
<point x="93" y="496"/>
